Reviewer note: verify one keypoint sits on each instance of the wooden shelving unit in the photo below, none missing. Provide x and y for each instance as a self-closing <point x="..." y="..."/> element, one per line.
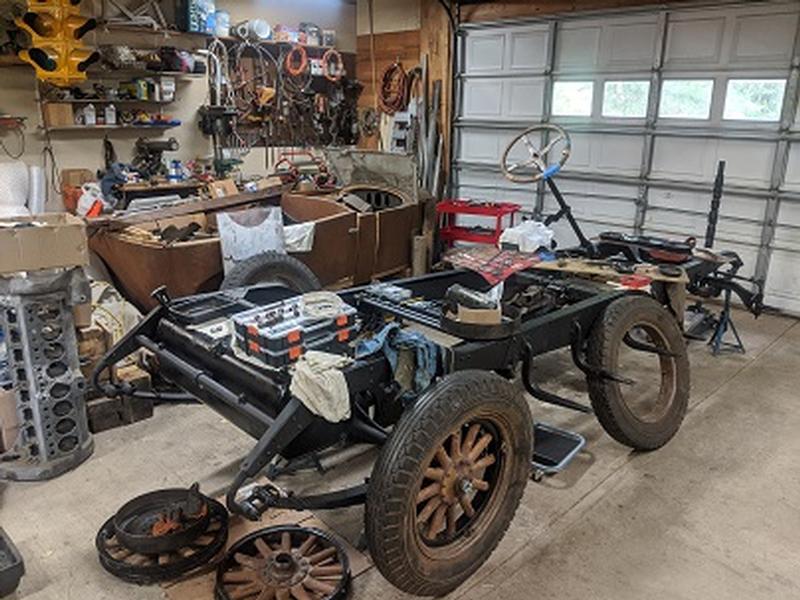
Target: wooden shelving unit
<point x="85" y="128"/>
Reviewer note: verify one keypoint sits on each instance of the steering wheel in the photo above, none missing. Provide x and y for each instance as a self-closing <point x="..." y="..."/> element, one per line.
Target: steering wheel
<point x="538" y="160"/>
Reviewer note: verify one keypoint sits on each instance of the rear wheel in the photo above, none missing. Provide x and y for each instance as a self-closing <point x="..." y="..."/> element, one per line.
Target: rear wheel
<point x="644" y="415"/>
<point x="448" y="482"/>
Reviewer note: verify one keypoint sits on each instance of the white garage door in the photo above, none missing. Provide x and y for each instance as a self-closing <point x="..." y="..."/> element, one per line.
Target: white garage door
<point x="653" y="101"/>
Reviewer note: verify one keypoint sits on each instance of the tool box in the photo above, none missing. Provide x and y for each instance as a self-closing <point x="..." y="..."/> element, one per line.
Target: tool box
<point x="281" y="333"/>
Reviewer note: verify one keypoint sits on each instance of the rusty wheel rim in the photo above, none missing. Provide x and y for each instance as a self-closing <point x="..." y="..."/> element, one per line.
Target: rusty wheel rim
<point x="145" y="569"/>
<point x="284" y="563"/>
<point x="460" y="483"/>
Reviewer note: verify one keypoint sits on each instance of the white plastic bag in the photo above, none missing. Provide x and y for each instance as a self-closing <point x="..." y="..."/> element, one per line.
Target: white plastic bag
<point x="528" y="236"/>
<point x="249" y="232"/>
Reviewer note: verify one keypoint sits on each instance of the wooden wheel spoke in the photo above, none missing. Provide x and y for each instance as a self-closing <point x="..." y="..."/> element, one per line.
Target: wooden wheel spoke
<point x="247" y="561"/>
<point x="263" y="547"/>
<point x="434" y="474"/>
<point x="327" y="571"/>
<point x="466" y="505"/>
<point x="482" y="444"/>
<point x="267" y="594"/>
<point x="486" y="461"/>
<point x="315" y="585"/>
<point x="239" y="577"/>
<point x="443" y="458"/>
<point x="438" y="521"/>
<point x="283" y="594"/>
<point x="469" y="440"/>
<point x="426" y="493"/>
<point x="452" y="520"/>
<point x="244" y="591"/>
<point x="307" y="545"/>
<point x="300" y="593"/>
<point x="286" y="541"/>
<point x="455" y="445"/>
<point x="429" y="509"/>
<point x="480" y="485"/>
<point x="317" y="558"/>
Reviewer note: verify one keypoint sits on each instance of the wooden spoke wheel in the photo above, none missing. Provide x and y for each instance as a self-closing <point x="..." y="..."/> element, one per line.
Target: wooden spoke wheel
<point x="284" y="563"/>
<point x="458" y="483"/>
<point x="145" y="569"/>
<point x="448" y="482"/>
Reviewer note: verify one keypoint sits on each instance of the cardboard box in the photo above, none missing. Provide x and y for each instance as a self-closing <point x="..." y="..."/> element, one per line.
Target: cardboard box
<point x="223" y="188"/>
<point x="58" y="114"/>
<point x="9" y="425"/>
<point x="42" y="242"/>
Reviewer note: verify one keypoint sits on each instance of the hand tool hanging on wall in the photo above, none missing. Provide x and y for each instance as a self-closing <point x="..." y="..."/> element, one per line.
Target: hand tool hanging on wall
<point x="57" y="52"/>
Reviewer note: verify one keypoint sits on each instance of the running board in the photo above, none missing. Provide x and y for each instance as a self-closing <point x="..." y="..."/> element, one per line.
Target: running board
<point x="553" y="449"/>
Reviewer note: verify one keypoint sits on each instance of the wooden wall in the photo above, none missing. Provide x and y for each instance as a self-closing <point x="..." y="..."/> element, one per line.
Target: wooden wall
<point x="389" y="47"/>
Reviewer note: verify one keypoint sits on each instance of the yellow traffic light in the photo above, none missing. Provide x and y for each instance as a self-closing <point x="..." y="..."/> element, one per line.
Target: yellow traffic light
<point x="57" y="52"/>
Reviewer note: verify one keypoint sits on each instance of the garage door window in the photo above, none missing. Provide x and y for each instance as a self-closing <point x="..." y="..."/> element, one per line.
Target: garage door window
<point x="573" y="98"/>
<point x="626" y="99"/>
<point x="686" y="98"/>
<point x="754" y="99"/>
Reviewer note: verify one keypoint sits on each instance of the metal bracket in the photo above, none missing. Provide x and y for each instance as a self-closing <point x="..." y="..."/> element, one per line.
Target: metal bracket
<point x="290" y="422"/>
<point x="576" y="348"/>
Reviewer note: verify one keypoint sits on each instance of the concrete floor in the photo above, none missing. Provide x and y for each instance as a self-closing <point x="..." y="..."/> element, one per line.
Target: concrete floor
<point x="714" y="514"/>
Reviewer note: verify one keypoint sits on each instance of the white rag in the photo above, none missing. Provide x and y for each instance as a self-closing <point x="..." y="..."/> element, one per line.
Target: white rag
<point x="320" y="385"/>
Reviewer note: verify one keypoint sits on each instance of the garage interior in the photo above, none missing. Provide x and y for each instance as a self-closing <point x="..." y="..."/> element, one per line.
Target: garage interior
<point x="369" y="299"/>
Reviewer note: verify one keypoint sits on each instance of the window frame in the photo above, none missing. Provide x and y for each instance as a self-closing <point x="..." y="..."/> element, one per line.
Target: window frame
<point x="625" y="118"/>
<point x="592" y="104"/>
<point x="753" y="122"/>
<point x="683" y="118"/>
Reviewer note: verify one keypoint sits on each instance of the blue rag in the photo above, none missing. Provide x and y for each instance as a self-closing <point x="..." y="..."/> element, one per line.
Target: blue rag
<point x="391" y="339"/>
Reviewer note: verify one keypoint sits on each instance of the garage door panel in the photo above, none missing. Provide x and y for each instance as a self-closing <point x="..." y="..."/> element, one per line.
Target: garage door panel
<point x="793" y="168"/>
<point x="693" y="42"/>
<point x="630" y="45"/>
<point x="578" y="47"/>
<point x="618" y="154"/>
<point x="528" y="49"/>
<point x="782" y="289"/>
<point x="738" y="207"/>
<point x="606" y="153"/>
<point x="606" y="210"/>
<point x="764" y="39"/>
<point x="748" y="162"/>
<point x="482" y="98"/>
<point x="485" y="52"/>
<point x="675" y="158"/>
<point x="592" y="188"/>
<point x="480" y="146"/>
<point x="788" y="237"/>
<point x="524" y="99"/>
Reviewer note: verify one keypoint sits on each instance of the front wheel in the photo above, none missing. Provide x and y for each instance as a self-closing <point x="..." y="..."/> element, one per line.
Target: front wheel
<point x="448" y="482"/>
<point x="646" y="414"/>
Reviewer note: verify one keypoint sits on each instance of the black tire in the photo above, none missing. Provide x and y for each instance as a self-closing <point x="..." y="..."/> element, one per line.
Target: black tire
<point x="433" y="564"/>
<point x="616" y="413"/>
<point x="272" y="267"/>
